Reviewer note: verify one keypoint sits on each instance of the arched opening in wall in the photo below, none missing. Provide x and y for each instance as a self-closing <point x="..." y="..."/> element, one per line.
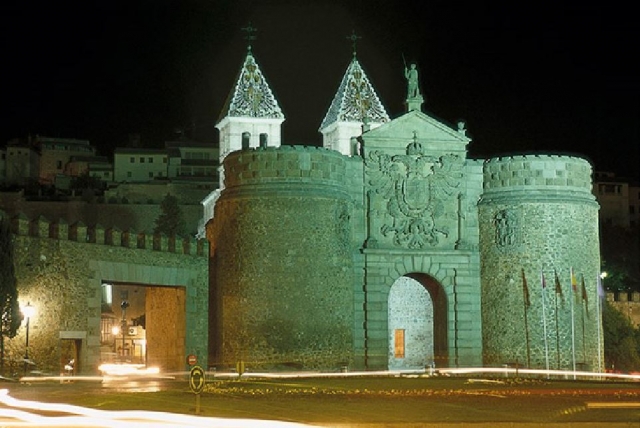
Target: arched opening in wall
<point x="143" y="324"/>
<point x="246" y="140"/>
<point x="417" y="320"/>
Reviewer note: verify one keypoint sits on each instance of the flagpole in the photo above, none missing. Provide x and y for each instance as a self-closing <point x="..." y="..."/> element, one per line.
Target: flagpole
<point x="599" y="296"/>
<point x="526" y="303"/>
<point x="544" y="322"/>
<point x="573" y="326"/>
<point x="558" y="290"/>
<point x="584" y="306"/>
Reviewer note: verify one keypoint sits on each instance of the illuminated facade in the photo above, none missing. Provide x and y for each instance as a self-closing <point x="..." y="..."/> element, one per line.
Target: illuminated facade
<point x="390" y="248"/>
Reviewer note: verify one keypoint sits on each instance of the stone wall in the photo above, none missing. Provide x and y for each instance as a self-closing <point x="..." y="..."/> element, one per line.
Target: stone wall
<point x="628" y="304"/>
<point x="139" y="217"/>
<point x="538" y="217"/>
<point x="281" y="260"/>
<point x="60" y="269"/>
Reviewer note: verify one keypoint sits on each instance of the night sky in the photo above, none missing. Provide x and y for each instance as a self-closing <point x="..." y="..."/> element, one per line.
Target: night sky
<point x="525" y="77"/>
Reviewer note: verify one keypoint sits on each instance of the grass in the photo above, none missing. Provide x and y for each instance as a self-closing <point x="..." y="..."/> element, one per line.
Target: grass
<point x="383" y="400"/>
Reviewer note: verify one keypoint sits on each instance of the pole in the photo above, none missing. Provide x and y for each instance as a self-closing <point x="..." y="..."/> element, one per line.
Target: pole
<point x="573" y="327"/>
<point x="557" y="335"/>
<point x="26" y="349"/>
<point x="526" y="302"/>
<point x="544" y="322"/>
<point x="584" y="342"/>
<point x="124" y="325"/>
<point x="599" y="296"/>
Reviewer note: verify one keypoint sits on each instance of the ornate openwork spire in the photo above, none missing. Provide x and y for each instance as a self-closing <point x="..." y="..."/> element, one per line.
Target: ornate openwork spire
<point x="251" y="95"/>
<point x="356" y="100"/>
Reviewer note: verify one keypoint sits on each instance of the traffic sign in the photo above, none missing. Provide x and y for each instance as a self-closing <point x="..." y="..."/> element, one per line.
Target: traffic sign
<point x="192" y="360"/>
<point x="196" y="379"/>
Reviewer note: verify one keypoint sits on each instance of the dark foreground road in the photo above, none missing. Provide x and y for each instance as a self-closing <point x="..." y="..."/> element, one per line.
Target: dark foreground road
<point x="364" y="401"/>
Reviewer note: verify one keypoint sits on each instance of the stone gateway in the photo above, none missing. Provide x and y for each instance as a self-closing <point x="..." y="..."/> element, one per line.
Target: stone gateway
<point x="391" y="248"/>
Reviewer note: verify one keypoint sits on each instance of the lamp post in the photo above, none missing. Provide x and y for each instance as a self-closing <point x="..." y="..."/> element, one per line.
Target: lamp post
<point x="28" y="311"/>
<point x="115" y="330"/>
<point x="124" y="305"/>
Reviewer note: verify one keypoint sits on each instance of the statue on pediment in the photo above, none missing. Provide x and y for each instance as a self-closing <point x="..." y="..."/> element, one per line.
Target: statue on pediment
<point x="411" y="74"/>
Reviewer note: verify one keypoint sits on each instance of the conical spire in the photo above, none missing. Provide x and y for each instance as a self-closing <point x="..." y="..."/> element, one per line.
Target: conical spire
<point x="356" y="100"/>
<point x="251" y="96"/>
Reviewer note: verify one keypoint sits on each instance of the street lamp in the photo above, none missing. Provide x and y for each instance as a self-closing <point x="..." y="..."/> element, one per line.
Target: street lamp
<point x="115" y="330"/>
<point x="124" y="305"/>
<point x="28" y="311"/>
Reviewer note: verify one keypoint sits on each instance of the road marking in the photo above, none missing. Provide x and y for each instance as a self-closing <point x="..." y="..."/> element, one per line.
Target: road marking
<point x="617" y="405"/>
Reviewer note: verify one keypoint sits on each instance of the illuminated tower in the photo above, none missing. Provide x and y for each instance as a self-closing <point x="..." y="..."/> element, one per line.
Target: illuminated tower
<point x="251" y="117"/>
<point x="355" y="107"/>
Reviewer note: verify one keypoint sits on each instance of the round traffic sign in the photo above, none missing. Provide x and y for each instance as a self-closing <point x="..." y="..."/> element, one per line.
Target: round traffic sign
<point x="196" y="379"/>
<point x="192" y="360"/>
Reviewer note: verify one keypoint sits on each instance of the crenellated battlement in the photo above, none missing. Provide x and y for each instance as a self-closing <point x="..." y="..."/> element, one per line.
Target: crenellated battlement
<point x="299" y="164"/>
<point x="42" y="227"/>
<point x="543" y="172"/>
<point x="623" y="296"/>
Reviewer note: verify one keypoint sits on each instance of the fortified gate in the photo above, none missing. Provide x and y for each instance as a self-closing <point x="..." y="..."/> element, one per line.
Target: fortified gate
<point x="390" y="248"/>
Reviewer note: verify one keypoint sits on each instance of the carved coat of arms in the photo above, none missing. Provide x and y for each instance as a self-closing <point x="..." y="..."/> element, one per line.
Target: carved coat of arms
<point x="416" y="187"/>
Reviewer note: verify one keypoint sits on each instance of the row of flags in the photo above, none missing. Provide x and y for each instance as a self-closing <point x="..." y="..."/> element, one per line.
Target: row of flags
<point x="558" y="287"/>
<point x="558" y="291"/>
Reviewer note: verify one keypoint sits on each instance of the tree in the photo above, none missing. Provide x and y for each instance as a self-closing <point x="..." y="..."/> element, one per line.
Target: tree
<point x="10" y="308"/>
<point x="620" y="250"/>
<point x="621" y="346"/>
<point x="170" y="221"/>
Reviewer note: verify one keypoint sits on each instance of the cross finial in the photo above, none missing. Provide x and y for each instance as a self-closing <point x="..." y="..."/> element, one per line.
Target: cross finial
<point x="354" y="37"/>
<point x="249" y="30"/>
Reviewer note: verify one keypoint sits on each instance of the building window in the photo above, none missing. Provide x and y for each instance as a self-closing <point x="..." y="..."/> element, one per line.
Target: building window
<point x="398" y="344"/>
<point x="59" y="164"/>
<point x="610" y="189"/>
<point x="150" y="160"/>
<point x="129" y="174"/>
<point x="632" y="209"/>
<point x="132" y="160"/>
<point x="150" y="174"/>
<point x="159" y="173"/>
<point x="164" y="160"/>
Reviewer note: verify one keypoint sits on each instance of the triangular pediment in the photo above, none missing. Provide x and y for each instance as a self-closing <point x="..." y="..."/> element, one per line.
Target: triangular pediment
<point x="416" y="124"/>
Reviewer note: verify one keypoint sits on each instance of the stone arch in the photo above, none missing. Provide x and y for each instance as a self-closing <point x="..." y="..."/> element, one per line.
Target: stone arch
<point x="417" y="322"/>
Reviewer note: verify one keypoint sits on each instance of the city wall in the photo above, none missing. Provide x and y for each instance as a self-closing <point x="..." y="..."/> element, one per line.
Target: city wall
<point x="60" y="269"/>
<point x="134" y="216"/>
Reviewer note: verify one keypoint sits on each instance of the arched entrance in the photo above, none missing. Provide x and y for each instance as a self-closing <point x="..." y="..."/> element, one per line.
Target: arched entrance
<point x="417" y="323"/>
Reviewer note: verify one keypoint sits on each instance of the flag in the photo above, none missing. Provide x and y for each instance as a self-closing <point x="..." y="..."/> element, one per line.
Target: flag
<point x="574" y="282"/>
<point x="600" y="287"/>
<point x="558" y="286"/>
<point x="544" y="283"/>
<point x="525" y="290"/>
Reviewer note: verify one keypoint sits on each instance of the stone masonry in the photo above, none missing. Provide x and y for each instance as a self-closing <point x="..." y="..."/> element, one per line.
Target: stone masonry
<point x="60" y="269"/>
<point x="307" y="243"/>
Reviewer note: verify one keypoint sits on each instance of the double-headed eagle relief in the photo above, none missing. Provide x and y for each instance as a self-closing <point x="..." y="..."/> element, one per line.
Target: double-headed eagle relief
<point x="416" y="188"/>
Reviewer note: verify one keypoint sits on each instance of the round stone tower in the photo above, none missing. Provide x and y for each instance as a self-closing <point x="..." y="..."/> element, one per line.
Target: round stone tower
<point x="281" y="268"/>
<point x="540" y="261"/>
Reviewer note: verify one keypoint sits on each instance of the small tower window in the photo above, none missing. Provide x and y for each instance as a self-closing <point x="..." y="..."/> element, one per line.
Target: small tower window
<point x="264" y="139"/>
<point x="246" y="137"/>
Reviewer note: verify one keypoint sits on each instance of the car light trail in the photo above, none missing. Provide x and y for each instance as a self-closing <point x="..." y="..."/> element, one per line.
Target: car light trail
<point x="85" y="417"/>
